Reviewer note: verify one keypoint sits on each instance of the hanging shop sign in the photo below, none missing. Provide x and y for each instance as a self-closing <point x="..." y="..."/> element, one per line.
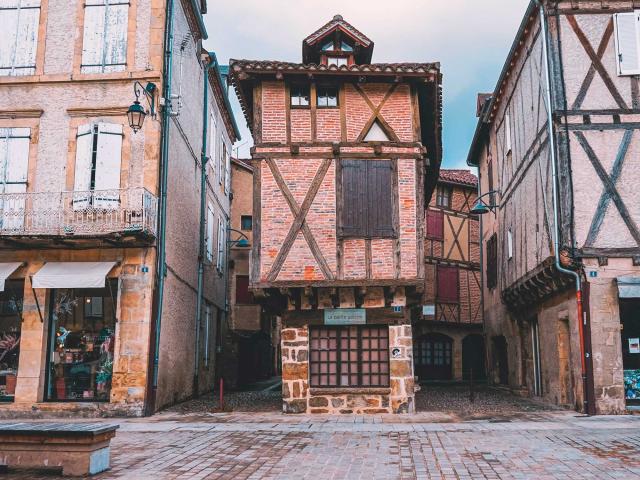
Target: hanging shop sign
<point x="428" y="310"/>
<point x="345" y="316"/>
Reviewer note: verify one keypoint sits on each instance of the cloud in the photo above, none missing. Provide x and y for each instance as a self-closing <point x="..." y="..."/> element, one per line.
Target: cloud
<point x="470" y="38"/>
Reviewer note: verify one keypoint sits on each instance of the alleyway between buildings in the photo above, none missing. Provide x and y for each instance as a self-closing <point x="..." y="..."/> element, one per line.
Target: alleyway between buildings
<point x="498" y="436"/>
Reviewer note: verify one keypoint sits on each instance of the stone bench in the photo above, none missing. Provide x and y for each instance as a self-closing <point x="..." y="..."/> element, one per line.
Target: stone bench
<point x="79" y="448"/>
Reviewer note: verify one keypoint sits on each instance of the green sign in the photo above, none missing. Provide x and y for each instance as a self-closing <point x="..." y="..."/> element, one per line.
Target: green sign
<point x="345" y="316"/>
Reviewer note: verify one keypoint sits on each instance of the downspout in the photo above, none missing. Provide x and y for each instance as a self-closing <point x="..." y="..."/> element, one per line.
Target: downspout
<point x="204" y="159"/>
<point x="556" y="214"/>
<point x="162" y="220"/>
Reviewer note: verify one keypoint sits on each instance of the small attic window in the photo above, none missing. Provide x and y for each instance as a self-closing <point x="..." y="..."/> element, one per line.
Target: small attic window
<point x="300" y="95"/>
<point x="345" y="47"/>
<point x="327" y="47"/>
<point x="338" y="61"/>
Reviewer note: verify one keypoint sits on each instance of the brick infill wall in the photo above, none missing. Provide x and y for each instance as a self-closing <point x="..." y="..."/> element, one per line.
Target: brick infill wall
<point x="298" y="397"/>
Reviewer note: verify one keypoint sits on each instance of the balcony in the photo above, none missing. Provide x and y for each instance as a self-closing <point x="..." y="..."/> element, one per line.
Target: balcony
<point x="124" y="216"/>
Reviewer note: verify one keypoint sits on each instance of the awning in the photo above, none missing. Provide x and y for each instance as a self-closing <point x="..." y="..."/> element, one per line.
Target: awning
<point x="72" y="275"/>
<point x="628" y="287"/>
<point x="7" y="269"/>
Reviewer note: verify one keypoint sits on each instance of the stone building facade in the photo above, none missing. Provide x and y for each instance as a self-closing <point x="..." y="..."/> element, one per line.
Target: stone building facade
<point x="448" y="335"/>
<point x="561" y="254"/>
<point x="346" y="154"/>
<point x="82" y="206"/>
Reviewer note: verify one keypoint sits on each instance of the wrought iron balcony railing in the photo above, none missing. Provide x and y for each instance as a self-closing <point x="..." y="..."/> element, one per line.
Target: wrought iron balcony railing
<point x="91" y="213"/>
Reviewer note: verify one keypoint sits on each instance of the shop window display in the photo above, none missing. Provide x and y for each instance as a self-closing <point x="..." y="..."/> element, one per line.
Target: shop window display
<point x="81" y="344"/>
<point x="10" y="325"/>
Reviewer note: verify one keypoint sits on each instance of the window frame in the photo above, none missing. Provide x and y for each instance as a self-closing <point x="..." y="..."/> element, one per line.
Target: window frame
<point x="327" y="88"/>
<point x="435" y="214"/>
<point x="242" y="224"/>
<point x="34" y="69"/>
<point x="297" y="90"/>
<point x="454" y="271"/>
<point x="448" y="189"/>
<point x="105" y="68"/>
<point x="384" y="363"/>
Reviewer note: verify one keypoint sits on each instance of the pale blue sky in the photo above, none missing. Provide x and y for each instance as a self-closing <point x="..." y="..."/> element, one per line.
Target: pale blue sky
<point x="470" y="38"/>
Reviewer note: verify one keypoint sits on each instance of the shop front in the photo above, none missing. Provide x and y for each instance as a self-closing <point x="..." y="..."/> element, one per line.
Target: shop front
<point x="629" y="293"/>
<point x="11" y="304"/>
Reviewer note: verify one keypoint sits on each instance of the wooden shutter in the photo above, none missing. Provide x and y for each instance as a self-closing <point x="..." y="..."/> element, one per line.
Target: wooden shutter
<point x="213" y="147"/>
<point x="14" y="165"/>
<point x="227" y="174"/>
<point x="210" y="220"/>
<point x="507" y="132"/>
<point x="243" y="296"/>
<point x="626" y="36"/>
<point x="20" y="22"/>
<point x="435" y="224"/>
<point x="221" y="163"/>
<point x="108" y="166"/>
<point x="221" y="243"/>
<point x="492" y="262"/>
<point x="448" y="287"/>
<point x="379" y="199"/>
<point x="354" y="198"/>
<point x="84" y="165"/>
<point x="104" y="44"/>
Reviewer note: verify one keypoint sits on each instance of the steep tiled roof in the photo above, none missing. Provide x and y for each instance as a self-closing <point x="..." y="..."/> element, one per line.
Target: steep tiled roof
<point x="338" y="22"/>
<point x="462" y="177"/>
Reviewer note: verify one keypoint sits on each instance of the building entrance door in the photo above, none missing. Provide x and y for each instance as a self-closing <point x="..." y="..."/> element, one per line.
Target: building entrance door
<point x="432" y="357"/>
<point x="630" y="320"/>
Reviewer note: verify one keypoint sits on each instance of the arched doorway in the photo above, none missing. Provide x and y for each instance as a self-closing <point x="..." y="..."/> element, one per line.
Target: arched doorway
<point x="473" y="360"/>
<point x="432" y="354"/>
<point x="501" y="359"/>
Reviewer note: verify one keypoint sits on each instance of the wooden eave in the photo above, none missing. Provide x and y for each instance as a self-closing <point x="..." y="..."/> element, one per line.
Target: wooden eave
<point x="536" y="286"/>
<point x="222" y="100"/>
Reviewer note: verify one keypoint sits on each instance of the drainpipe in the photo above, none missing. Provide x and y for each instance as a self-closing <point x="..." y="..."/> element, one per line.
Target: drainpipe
<point x="203" y="201"/>
<point x="162" y="220"/>
<point x="556" y="215"/>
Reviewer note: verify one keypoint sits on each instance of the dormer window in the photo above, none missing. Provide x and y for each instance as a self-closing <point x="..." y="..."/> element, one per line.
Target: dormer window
<point x="327" y="97"/>
<point x="345" y="47"/>
<point x="300" y="95"/>
<point x="328" y="47"/>
<point x="338" y="61"/>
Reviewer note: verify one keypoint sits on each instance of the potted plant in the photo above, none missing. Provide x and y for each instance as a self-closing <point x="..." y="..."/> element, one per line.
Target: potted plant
<point x="8" y="347"/>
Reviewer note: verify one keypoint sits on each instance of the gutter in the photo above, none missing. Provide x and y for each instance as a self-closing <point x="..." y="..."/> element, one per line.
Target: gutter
<point x="556" y="214"/>
<point x="199" y="19"/>
<point x="161" y="269"/>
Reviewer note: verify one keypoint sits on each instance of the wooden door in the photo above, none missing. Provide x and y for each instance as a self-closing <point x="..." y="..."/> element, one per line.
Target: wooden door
<point x="433" y="357"/>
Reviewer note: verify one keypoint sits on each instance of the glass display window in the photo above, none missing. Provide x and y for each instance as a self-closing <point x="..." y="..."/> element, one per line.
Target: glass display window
<point x="11" y="301"/>
<point x="81" y="344"/>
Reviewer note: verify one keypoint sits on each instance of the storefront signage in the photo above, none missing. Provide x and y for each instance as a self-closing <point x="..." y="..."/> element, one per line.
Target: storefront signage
<point x="345" y="316"/>
<point x="428" y="310"/>
<point x="634" y="345"/>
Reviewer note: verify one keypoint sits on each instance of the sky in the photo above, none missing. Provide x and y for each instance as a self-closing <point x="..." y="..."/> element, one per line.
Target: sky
<point x="470" y="38"/>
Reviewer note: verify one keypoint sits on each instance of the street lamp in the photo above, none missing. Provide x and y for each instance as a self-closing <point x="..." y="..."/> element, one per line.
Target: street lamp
<point x="242" y="242"/>
<point x="137" y="113"/>
<point x="482" y="208"/>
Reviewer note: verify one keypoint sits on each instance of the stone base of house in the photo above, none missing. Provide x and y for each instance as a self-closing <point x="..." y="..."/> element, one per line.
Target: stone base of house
<point x="43" y="410"/>
<point x="299" y="397"/>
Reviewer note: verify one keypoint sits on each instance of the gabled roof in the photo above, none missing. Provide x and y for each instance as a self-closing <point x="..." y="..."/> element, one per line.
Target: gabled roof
<point x="364" y="43"/>
<point x="459" y="177"/>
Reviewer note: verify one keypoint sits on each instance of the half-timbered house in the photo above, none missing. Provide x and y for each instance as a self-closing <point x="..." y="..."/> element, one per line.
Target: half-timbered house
<point x="558" y="142"/>
<point x="448" y="336"/>
<point x="346" y="153"/>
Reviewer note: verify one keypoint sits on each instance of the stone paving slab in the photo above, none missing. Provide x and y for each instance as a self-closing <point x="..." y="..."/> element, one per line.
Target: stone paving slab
<point x="555" y="445"/>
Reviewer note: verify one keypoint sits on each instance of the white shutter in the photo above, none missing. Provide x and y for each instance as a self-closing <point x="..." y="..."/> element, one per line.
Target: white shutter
<point x="8" y="36"/>
<point x="84" y="164"/>
<point x="108" y="166"/>
<point x="14" y="165"/>
<point x="210" y="220"/>
<point x="213" y="148"/>
<point x="93" y="36"/>
<point x="626" y="37"/>
<point x="115" y="36"/>
<point x="227" y="174"/>
<point x="507" y="133"/>
<point x="221" y="240"/>
<point x="24" y="62"/>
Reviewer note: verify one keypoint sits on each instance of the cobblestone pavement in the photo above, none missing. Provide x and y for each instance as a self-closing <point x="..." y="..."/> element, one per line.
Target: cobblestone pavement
<point x="542" y="445"/>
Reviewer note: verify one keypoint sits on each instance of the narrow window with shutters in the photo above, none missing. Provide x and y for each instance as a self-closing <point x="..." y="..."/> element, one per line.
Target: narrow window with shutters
<point x="507" y="133"/>
<point x="367" y="199"/>
<point x="98" y="166"/>
<point x="227" y="174"/>
<point x="627" y="42"/>
<point x="435" y="224"/>
<point x="221" y="244"/>
<point x="210" y="220"/>
<point x="20" y="21"/>
<point x="448" y="285"/>
<point x="14" y="164"/>
<point x="492" y="262"/>
<point x="213" y="147"/>
<point x="104" y="44"/>
<point x="221" y="161"/>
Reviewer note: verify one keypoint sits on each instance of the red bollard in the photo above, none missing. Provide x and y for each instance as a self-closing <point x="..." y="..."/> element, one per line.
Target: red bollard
<point x="221" y="394"/>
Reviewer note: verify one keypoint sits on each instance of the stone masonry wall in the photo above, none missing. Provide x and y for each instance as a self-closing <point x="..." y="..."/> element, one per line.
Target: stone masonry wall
<point x="298" y="397"/>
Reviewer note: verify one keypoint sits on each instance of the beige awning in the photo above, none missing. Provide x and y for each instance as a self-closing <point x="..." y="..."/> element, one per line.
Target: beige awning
<point x="628" y="287"/>
<point x="7" y="269"/>
<point x="72" y="275"/>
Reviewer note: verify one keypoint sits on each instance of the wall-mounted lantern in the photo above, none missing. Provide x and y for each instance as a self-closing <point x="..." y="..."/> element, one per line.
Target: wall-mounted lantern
<point x="482" y="208"/>
<point x="137" y="113"/>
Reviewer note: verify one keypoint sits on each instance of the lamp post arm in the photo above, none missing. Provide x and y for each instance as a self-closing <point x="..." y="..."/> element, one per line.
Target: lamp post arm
<point x="149" y="94"/>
